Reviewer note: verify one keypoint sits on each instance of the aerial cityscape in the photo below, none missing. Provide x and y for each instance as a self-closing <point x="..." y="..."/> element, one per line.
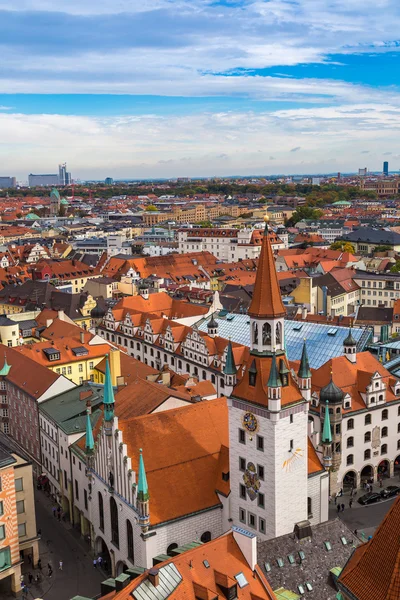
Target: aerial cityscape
<point x="199" y="300"/>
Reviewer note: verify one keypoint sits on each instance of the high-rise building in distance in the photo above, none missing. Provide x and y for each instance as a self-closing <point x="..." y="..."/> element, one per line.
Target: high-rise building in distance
<point x="362" y="172"/>
<point x="386" y="168"/>
<point x="109" y="181"/>
<point x="42" y="179"/>
<point x="64" y="178"/>
<point x="8" y="182"/>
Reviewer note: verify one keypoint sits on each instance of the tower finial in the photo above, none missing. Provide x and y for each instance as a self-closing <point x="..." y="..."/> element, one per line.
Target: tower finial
<point x="108" y="397"/>
<point x="89" y="443"/>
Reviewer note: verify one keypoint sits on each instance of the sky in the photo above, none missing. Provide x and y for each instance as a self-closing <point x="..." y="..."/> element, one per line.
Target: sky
<point x="167" y="88"/>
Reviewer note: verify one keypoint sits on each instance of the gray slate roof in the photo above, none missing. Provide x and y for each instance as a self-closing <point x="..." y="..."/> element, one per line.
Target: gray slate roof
<point x="373" y="236"/>
<point x="317" y="563"/>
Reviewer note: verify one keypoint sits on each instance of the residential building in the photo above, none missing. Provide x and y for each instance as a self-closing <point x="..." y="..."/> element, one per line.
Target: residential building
<point x="229" y="245"/>
<point x="366" y="239"/>
<point x="378" y="289"/>
<point x="335" y="293"/>
<point x="74" y="356"/>
<point x="68" y="273"/>
<point x="24" y="384"/>
<point x="18" y="532"/>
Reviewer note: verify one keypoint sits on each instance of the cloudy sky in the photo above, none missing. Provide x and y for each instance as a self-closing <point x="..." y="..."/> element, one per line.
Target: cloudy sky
<point x="164" y="88"/>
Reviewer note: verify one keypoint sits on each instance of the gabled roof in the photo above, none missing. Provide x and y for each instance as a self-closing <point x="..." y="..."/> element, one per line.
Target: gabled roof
<point x="181" y="446"/>
<point x="373" y="571"/>
<point x="200" y="573"/>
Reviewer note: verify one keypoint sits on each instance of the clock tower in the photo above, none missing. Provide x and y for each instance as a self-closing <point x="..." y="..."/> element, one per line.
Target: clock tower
<point x="268" y="418"/>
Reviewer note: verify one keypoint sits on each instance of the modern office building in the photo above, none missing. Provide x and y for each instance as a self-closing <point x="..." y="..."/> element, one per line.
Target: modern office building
<point x="109" y="181"/>
<point x="386" y="168"/>
<point x="64" y="178"/>
<point x="8" y="182"/>
<point x="362" y="172"/>
<point x="42" y="179"/>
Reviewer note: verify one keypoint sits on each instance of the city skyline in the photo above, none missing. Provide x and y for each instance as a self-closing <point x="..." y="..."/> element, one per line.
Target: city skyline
<point x="177" y="88"/>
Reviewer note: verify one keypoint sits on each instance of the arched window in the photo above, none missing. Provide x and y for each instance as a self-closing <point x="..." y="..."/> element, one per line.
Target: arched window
<point x="338" y="410"/>
<point x="129" y="539"/>
<point x="367" y="420"/>
<point x="380" y="397"/>
<point x="398" y="412"/>
<point x="350" y="424"/>
<point x="206" y="537"/>
<point x="350" y="459"/>
<point x="101" y="511"/>
<point x="384" y="431"/>
<point x="278" y="333"/>
<point x="350" y="442"/>
<point x="309" y="507"/>
<point x="266" y="334"/>
<point x="384" y="449"/>
<point x="367" y="436"/>
<point x="398" y="444"/>
<point x="255" y="333"/>
<point x="385" y="414"/>
<point x="367" y="454"/>
<point x="114" y="522"/>
<point x="372" y="399"/>
<point x="170" y="548"/>
<point x="398" y="428"/>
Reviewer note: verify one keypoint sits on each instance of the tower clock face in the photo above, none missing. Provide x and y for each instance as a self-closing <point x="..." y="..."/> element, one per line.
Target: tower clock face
<point x="250" y="422"/>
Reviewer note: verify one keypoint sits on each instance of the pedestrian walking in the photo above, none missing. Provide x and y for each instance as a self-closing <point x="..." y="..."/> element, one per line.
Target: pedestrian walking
<point x="37" y="578"/>
<point x="351" y="503"/>
<point x="95" y="563"/>
<point x="60" y="565"/>
<point x="30" y="558"/>
<point x="99" y="561"/>
<point x="30" y="577"/>
<point x="342" y="507"/>
<point x="54" y="511"/>
<point x="39" y="564"/>
<point x="336" y="497"/>
<point x="338" y="508"/>
<point x="50" y="573"/>
<point x="39" y="532"/>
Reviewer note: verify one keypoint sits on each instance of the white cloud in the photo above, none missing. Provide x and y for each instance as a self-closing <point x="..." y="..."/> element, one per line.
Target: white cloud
<point x="204" y="144"/>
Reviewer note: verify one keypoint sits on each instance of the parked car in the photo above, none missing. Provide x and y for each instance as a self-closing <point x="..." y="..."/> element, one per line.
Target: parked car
<point x="370" y="498"/>
<point x="390" y="491"/>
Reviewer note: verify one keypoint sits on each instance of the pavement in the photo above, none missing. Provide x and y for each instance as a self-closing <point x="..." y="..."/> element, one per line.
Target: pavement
<point x="363" y="518"/>
<point x="60" y="541"/>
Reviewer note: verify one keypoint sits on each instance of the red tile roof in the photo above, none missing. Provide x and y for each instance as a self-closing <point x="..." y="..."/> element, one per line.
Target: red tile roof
<point x="373" y="571"/>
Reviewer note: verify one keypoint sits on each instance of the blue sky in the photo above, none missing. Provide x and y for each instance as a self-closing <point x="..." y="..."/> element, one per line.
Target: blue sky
<point x="198" y="87"/>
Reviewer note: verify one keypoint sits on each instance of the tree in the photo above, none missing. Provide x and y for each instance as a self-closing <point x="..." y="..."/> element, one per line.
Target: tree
<point x="151" y="208"/>
<point x="343" y="246"/>
<point x="304" y="212"/>
<point x="205" y="224"/>
<point x="396" y="267"/>
<point x="382" y="248"/>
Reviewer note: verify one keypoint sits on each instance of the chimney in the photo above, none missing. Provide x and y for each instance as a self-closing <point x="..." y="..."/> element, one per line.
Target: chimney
<point x="304" y="312"/>
<point x="154" y="577"/>
<point x="115" y="365"/>
<point x="82" y="337"/>
<point x="247" y="543"/>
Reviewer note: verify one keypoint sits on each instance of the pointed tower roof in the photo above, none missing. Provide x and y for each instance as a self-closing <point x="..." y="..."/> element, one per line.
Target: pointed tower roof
<point x="143" y="490"/>
<point x="89" y="444"/>
<point x="266" y="302"/>
<point x="5" y="369"/>
<point x="230" y="367"/>
<point x="350" y="341"/>
<point x="212" y="323"/>
<point x="274" y="380"/>
<point x="108" y="387"/>
<point x="326" y="432"/>
<point x="304" y="369"/>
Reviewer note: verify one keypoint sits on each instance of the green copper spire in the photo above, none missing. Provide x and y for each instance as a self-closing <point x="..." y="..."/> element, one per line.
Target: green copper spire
<point x="6" y="368"/>
<point x="274" y="380"/>
<point x="89" y="445"/>
<point x="304" y="370"/>
<point x="326" y="432"/>
<point x="230" y="367"/>
<point x="108" y="398"/>
<point x="143" y="490"/>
